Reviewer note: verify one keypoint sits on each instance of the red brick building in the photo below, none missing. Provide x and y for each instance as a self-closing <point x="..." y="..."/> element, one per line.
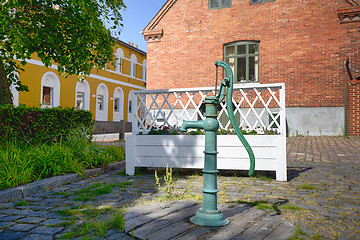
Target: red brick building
<point x="302" y="43"/>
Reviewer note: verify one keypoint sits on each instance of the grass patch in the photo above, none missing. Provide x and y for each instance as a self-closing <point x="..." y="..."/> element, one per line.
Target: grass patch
<point x="96" y="189"/>
<point x="263" y="205"/>
<point x="291" y="207"/>
<point x="307" y="187"/>
<point x="93" y="227"/>
<point x="263" y="178"/>
<point x="22" y="203"/>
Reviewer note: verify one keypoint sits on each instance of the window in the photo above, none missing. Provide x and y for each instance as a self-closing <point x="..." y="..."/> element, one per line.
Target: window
<point x="216" y="4"/>
<point x="50" y="90"/>
<point x="116" y="104"/>
<point x="260" y="1"/>
<point x="119" y="63"/>
<point x="133" y="69"/>
<point x="133" y="61"/>
<point x="243" y="58"/>
<point x="144" y="71"/>
<point x="82" y="95"/>
<point x="119" y="60"/>
<point x="100" y="102"/>
<point x="80" y="100"/>
<point x="48" y="96"/>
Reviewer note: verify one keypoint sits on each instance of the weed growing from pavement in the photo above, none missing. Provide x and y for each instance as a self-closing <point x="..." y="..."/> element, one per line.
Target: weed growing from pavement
<point x="22" y="203"/>
<point x="262" y="205"/>
<point x="169" y="192"/>
<point x="291" y="207"/>
<point x="90" y="226"/>
<point x="96" y="189"/>
<point x="307" y="187"/>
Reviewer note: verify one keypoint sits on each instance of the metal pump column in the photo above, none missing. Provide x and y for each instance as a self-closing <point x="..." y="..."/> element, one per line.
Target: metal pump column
<point x="208" y="214"/>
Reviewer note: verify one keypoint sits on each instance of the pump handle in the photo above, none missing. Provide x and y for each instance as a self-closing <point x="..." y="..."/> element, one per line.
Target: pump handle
<point x="227" y="82"/>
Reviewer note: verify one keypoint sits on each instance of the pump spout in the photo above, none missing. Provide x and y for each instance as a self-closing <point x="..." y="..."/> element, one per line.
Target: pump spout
<point x="191" y="124"/>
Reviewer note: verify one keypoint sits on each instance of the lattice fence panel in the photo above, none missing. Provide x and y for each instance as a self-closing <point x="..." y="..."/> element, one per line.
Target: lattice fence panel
<point x="255" y="107"/>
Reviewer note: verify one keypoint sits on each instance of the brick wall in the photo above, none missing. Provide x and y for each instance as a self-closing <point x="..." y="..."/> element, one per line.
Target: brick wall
<point x="302" y="44"/>
<point x="354" y="111"/>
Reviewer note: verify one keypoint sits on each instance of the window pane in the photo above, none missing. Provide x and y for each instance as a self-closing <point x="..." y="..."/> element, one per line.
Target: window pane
<point x="116" y="105"/>
<point x="231" y="63"/>
<point x="253" y="69"/>
<point x="230" y="51"/>
<point x="47" y="96"/>
<point x="80" y="100"/>
<point x="214" y="3"/>
<point x="241" y="69"/>
<point x="226" y="3"/>
<point x="130" y="109"/>
<point x="100" y="102"/>
<point x="253" y="48"/>
<point x="241" y="49"/>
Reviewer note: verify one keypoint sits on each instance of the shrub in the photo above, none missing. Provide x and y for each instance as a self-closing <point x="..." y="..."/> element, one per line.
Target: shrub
<point x="41" y="125"/>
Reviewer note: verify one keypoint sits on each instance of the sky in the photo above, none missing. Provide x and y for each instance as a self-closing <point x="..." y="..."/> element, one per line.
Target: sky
<point x="137" y="15"/>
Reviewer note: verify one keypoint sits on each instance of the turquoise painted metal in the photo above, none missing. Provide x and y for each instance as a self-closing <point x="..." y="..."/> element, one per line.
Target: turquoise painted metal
<point x="208" y="214"/>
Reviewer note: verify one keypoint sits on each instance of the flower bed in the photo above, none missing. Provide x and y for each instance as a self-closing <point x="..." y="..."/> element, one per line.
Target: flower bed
<point x="186" y="151"/>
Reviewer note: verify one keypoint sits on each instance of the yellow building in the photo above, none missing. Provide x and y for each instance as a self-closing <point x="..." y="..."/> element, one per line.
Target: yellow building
<point x="105" y="92"/>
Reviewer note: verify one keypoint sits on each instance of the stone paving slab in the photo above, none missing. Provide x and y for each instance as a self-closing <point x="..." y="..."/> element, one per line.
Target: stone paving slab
<point x="322" y="198"/>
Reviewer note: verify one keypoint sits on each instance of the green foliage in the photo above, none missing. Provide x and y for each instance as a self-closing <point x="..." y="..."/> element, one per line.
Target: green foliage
<point x="23" y="163"/>
<point x="42" y="125"/>
<point x="68" y="33"/>
<point x="117" y="221"/>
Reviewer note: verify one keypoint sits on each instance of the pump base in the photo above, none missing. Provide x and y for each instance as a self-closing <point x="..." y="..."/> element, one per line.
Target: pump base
<point x="209" y="218"/>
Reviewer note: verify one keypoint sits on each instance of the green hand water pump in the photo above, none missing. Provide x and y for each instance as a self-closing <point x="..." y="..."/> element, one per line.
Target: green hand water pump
<point x="208" y="214"/>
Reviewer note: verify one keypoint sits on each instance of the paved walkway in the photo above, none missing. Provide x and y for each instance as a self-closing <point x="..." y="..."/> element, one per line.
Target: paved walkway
<point x="322" y="198"/>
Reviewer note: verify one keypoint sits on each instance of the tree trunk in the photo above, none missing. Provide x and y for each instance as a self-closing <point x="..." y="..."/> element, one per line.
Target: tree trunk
<point x="5" y="93"/>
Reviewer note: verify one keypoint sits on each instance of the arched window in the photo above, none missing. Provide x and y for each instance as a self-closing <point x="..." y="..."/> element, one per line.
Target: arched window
<point x="102" y="97"/>
<point x="133" y="61"/>
<point x="119" y="60"/>
<point x="118" y="104"/>
<point x="82" y="95"/>
<point x="144" y="71"/>
<point x="50" y="90"/>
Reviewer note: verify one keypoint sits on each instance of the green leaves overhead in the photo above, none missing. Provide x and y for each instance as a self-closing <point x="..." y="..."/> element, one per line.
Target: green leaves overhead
<point x="68" y="33"/>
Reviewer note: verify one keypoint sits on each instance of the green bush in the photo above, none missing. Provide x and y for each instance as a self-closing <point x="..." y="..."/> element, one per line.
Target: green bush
<point x="41" y="125"/>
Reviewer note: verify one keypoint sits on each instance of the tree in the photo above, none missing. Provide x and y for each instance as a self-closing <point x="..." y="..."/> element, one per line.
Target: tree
<point x="69" y="33"/>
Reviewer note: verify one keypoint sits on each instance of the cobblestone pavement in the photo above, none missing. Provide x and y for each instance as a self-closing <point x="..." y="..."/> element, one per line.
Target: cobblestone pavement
<point x="322" y="196"/>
